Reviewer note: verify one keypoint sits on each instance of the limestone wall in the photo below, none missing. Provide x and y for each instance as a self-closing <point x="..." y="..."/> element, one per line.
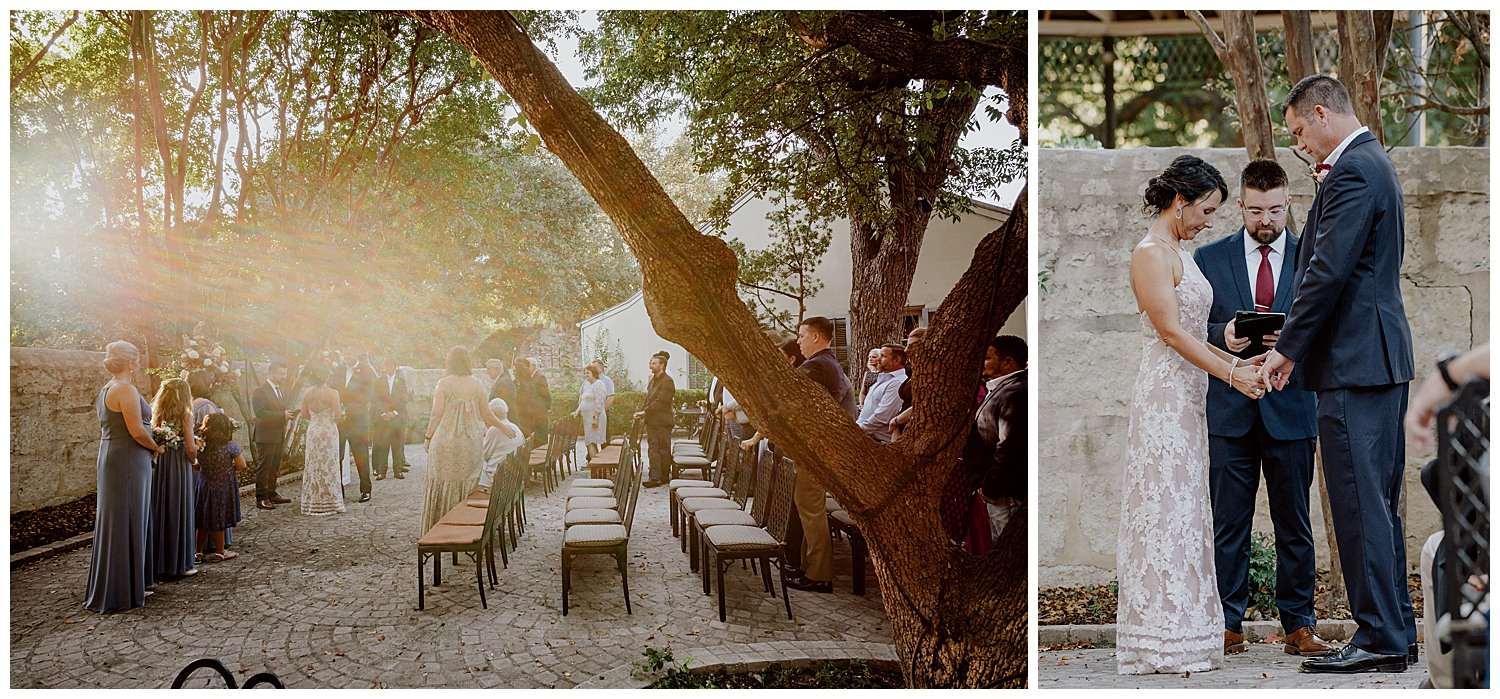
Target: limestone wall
<point x="1087" y="223"/>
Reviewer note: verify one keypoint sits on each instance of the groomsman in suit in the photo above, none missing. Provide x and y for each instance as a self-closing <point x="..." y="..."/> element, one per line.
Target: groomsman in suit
<point x="355" y="383"/>
<point x="1252" y="270"/>
<point x="503" y="387"/>
<point x="268" y="402"/>
<point x="388" y="413"/>
<point x="1347" y="338"/>
<point x="533" y="400"/>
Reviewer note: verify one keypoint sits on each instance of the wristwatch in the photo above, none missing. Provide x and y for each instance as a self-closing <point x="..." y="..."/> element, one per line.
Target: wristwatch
<point x="1442" y="367"/>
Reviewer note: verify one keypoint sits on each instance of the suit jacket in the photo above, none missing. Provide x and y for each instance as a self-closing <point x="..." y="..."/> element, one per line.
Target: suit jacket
<point x="1288" y="414"/>
<point x="996" y="460"/>
<point x="823" y="368"/>
<point x="504" y="388"/>
<point x="534" y="401"/>
<point x="355" y="394"/>
<point x="661" y="391"/>
<point x="384" y="399"/>
<point x="1347" y="325"/>
<point x="270" y="415"/>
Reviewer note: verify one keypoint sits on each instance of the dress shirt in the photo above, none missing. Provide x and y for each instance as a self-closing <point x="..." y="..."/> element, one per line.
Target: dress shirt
<point x="1252" y="260"/>
<point x="1334" y="156"/>
<point x="881" y="406"/>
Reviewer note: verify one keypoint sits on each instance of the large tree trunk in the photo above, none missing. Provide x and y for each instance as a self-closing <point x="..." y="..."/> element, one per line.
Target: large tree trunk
<point x="1238" y="53"/>
<point x="1300" y="59"/>
<point x="1360" y="60"/>
<point x="957" y="620"/>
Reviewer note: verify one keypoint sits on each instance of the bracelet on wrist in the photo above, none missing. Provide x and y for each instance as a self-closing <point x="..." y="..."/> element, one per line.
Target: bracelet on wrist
<point x="1232" y="366"/>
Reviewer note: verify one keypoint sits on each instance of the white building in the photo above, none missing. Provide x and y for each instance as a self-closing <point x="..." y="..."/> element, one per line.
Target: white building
<point x="947" y="250"/>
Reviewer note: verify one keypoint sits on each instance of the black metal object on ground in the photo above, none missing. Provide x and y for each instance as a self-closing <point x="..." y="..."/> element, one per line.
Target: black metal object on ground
<point x="1463" y="498"/>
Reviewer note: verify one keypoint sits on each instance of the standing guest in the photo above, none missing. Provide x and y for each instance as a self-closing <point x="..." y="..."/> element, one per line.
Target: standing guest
<point x="872" y="373"/>
<point x="201" y="383"/>
<point x="735" y="417"/>
<point x="356" y="388"/>
<point x="218" y="505"/>
<point x="883" y="402"/>
<point x="500" y="441"/>
<point x="995" y="453"/>
<point x="609" y="398"/>
<point x="455" y="438"/>
<point x="1252" y="269"/>
<point x="814" y="336"/>
<point x="661" y="392"/>
<point x="388" y="413"/>
<point x="591" y="410"/>
<point x="118" y="566"/>
<point x="503" y="387"/>
<point x="269" y="404"/>
<point x="792" y="352"/>
<point x="533" y="399"/>
<point x="172" y="481"/>
<point x="322" y="482"/>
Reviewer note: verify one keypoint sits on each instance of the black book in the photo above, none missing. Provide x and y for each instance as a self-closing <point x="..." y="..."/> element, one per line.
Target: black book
<point x="1254" y="326"/>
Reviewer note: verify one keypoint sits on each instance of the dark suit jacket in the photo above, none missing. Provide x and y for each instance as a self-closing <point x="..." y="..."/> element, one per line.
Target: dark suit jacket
<point x="270" y="414"/>
<point x="661" y="391"/>
<point x="534" y="402"/>
<point x="997" y="465"/>
<point x="384" y="400"/>
<point x="1347" y="325"/>
<point x="823" y="368"/>
<point x="1288" y="414"/>
<point x="354" y="395"/>
<point x="504" y="388"/>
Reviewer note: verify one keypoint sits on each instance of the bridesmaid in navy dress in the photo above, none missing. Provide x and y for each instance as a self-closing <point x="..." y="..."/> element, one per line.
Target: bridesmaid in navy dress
<point x="173" y="495"/>
<point x="120" y="567"/>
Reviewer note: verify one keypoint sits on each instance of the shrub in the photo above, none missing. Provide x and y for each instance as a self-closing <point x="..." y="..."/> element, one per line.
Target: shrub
<point x="1262" y="577"/>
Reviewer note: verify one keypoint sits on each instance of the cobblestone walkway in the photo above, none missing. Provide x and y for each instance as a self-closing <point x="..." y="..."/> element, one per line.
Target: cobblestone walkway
<point x="1264" y="665"/>
<point x="331" y="602"/>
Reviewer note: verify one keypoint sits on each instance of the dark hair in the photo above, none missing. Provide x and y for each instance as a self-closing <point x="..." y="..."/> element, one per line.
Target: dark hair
<point x="216" y="430"/>
<point x="201" y="384"/>
<point x="1314" y="90"/>
<point x="591" y="369"/>
<point x="1188" y="177"/>
<point x="459" y="363"/>
<point x="1262" y="175"/>
<point x="791" y="349"/>
<point x="1010" y="347"/>
<point x="316" y="374"/>
<point x="276" y="364"/>
<point x="662" y="355"/>
<point x="820" y="325"/>
<point x="897" y="350"/>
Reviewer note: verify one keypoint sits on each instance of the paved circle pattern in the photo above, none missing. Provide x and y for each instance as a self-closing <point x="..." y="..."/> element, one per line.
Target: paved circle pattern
<point x="1263" y="665"/>
<point x="331" y="602"/>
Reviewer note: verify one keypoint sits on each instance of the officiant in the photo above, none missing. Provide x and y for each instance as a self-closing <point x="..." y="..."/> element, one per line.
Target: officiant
<point x="1252" y="270"/>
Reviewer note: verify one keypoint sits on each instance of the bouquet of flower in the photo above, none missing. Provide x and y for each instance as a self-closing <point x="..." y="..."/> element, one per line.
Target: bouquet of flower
<point x="167" y="436"/>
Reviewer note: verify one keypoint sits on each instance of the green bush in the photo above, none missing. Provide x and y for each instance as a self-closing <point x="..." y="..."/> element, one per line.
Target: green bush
<point x="1262" y="577"/>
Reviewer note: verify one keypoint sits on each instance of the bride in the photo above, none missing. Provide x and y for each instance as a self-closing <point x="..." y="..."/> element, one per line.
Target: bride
<point x="322" y="489"/>
<point x="1169" y="618"/>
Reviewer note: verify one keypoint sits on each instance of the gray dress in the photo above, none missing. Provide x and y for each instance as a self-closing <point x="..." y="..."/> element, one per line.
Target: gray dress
<point x="121" y="568"/>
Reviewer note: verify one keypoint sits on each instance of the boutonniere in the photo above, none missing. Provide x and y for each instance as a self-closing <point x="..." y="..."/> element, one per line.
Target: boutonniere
<point x="1318" y="173"/>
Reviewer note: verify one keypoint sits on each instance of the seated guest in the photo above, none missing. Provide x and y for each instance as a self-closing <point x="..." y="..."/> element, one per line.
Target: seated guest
<point x="499" y="442"/>
<point x="884" y="400"/>
<point x="995" y="454"/>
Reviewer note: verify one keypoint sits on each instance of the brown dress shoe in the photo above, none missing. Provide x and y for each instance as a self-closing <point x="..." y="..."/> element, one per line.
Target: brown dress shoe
<point x="1233" y="642"/>
<point x="1305" y="641"/>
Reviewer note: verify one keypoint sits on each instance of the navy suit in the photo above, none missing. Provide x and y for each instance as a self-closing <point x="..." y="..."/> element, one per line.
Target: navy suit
<point x="1348" y="334"/>
<point x="1275" y="435"/>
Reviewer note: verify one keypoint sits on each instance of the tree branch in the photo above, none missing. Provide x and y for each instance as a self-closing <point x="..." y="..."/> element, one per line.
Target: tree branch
<point x="32" y="64"/>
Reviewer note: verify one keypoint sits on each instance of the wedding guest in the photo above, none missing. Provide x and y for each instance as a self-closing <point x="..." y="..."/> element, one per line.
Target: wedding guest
<point x="504" y="386"/>
<point x="661" y="394"/>
<point x="355" y="382"/>
<point x="270" y="405"/>
<point x="995" y="453"/>
<point x="119" y="570"/>
<point x="455" y="437"/>
<point x="872" y="374"/>
<point x="389" y="415"/>
<point x="218" y="506"/>
<point x="201" y="383"/>
<point x="533" y="400"/>
<point x="883" y="402"/>
<point x="172" y="481"/>
<point x="591" y="410"/>
<point x="609" y="397"/>
<point x="814" y="336"/>
<point x="500" y="441"/>
<point x="735" y="417"/>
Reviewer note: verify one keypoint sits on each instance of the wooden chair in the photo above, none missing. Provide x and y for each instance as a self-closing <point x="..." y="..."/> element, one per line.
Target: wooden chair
<point x="724" y="544"/>
<point x="603" y="539"/>
<point x="458" y="532"/>
<point x="511" y="482"/>
<point x="689" y="457"/>
<point x="756" y="517"/>
<point x="586" y="513"/>
<point x="841" y="524"/>
<point x="716" y="448"/>
<point x="539" y="463"/>
<point x="737" y="467"/>
<point x="717" y="488"/>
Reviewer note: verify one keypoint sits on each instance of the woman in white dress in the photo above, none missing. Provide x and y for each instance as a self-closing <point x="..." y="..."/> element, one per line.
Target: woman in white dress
<point x="322" y="487"/>
<point x="591" y="410"/>
<point x="1169" y="618"/>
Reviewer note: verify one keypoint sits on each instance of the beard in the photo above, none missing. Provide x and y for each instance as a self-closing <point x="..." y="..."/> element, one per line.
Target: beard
<point x="1264" y="236"/>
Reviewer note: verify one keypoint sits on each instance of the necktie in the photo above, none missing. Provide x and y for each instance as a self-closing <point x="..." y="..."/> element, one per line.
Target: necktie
<point x="1265" y="286"/>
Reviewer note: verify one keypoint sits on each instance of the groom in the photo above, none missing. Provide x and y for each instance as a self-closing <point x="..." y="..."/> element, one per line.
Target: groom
<point x="1253" y="269"/>
<point x="1347" y="337"/>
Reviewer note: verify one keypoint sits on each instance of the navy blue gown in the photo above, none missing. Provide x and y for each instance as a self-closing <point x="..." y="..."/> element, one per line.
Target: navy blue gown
<point x="173" y="499"/>
<point x="120" y="568"/>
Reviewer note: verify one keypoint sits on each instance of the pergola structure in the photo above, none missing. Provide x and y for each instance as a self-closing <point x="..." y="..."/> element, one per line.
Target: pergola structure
<point x="1116" y="23"/>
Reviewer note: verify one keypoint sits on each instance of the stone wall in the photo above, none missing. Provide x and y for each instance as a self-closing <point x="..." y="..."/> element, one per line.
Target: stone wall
<point x="1089" y="220"/>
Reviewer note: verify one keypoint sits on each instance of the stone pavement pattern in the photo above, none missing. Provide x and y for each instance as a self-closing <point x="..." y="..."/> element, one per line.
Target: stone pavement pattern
<point x="1264" y="665"/>
<point x="331" y="602"/>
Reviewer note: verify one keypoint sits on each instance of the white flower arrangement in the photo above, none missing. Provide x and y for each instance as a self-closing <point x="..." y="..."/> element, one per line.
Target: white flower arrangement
<point x="167" y="436"/>
<point x="193" y="354"/>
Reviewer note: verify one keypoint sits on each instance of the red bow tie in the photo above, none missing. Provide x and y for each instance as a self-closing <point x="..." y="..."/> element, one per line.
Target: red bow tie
<point x="1322" y="167"/>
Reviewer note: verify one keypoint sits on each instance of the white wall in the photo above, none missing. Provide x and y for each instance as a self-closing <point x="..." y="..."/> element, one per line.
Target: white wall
<point x="630" y="326"/>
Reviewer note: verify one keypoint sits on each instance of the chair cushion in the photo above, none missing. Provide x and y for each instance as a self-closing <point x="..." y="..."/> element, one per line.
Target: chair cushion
<point x="685" y="448"/>
<point x="692" y="505"/>
<point x="830" y="504"/>
<point x="481" y="503"/>
<point x="591" y="493"/>
<point x="682" y="493"/>
<point x="690" y="461"/>
<point x="602" y="458"/>
<point x="593" y="483"/>
<point x="451" y="535"/>
<point x="537" y="457"/>
<point x="465" y="516"/>
<point x="716" y="518"/>
<point x="689" y="483"/>
<point x="595" y="535"/>
<point x="591" y="516"/>
<point x="592" y="503"/>
<point x="843" y="518"/>
<point x="739" y="538"/>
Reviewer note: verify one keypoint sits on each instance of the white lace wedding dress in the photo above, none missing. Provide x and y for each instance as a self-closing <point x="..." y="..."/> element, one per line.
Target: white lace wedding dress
<point x="1169" y="618"/>
<point x="322" y="493"/>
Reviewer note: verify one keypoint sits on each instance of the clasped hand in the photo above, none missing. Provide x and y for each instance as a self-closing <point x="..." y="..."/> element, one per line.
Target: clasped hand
<point x="1247" y="380"/>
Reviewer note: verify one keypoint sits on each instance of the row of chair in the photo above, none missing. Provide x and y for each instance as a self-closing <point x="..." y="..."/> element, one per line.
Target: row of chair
<point x="600" y="512"/>
<point x="550" y="466"/>
<point x="472" y="526"/>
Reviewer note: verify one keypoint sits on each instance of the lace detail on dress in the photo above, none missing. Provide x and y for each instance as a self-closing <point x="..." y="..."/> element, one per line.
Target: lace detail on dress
<point x="1169" y="617"/>
<point x="454" y="459"/>
<point x="322" y="488"/>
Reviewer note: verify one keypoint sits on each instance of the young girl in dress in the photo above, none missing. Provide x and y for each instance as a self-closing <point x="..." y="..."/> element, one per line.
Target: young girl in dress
<point x="218" y="488"/>
<point x="172" y="498"/>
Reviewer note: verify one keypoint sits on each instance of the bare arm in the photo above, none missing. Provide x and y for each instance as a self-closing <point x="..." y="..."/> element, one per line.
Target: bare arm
<point x="129" y="401"/>
<point x="1151" y="277"/>
<point x="187" y="439"/>
<point x="1422" y="414"/>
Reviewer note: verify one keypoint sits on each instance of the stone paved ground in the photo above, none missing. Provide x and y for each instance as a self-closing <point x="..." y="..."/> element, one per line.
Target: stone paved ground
<point x="331" y="602"/>
<point x="1264" y="665"/>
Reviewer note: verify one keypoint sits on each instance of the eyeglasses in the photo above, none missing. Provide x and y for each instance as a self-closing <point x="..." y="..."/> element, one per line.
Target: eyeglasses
<point x="1273" y="212"/>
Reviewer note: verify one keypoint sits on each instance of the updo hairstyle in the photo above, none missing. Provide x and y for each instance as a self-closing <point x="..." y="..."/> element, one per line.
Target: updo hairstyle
<point x="118" y="355"/>
<point x="1188" y="177"/>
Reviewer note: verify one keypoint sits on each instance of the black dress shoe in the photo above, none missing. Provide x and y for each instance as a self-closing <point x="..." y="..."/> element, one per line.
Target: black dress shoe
<point x="1350" y="659"/>
<point x="380" y="476"/>
<point x="265" y="504"/>
<point x="793" y="572"/>
<point x="279" y="500"/>
<point x="364" y="497"/>
<point x="1411" y="654"/>
<point x="802" y="582"/>
<point x="401" y="475"/>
